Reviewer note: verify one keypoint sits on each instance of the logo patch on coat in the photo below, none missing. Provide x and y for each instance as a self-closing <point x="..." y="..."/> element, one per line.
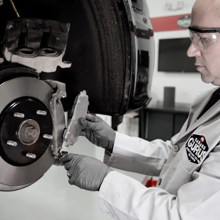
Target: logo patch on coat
<point x="196" y="148"/>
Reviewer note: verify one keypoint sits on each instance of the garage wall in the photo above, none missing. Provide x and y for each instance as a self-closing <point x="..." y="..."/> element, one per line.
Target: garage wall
<point x="187" y="85"/>
<point x="158" y="8"/>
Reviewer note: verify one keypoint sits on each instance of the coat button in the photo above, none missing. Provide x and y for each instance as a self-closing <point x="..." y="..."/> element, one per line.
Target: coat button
<point x="176" y="148"/>
<point x="159" y="182"/>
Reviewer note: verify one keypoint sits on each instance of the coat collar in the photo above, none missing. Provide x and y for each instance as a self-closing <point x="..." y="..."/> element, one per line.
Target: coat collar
<point x="199" y="104"/>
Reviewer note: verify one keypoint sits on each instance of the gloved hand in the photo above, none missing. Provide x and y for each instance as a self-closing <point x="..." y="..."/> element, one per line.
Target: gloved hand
<point x="85" y="172"/>
<point x="98" y="132"/>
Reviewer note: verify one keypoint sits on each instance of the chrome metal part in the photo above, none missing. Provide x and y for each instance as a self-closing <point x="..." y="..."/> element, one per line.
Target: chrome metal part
<point x="12" y="143"/>
<point x="30" y="155"/>
<point x="14" y="177"/>
<point x="79" y="109"/>
<point x="47" y="136"/>
<point x="28" y="132"/>
<point x="40" y="112"/>
<point x="19" y="115"/>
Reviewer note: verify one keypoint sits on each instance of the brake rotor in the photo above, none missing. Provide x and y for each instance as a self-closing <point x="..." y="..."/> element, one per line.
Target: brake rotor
<point x="25" y="132"/>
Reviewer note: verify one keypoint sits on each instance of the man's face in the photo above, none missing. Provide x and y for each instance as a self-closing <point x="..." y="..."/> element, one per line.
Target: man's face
<point x="205" y="15"/>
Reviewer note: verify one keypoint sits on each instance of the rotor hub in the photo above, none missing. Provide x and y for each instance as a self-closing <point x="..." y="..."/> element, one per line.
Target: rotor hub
<point x="26" y="131"/>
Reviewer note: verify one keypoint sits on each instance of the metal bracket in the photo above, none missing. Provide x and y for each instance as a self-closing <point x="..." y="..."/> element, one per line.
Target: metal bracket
<point x="57" y="113"/>
<point x="137" y="6"/>
<point x="36" y="43"/>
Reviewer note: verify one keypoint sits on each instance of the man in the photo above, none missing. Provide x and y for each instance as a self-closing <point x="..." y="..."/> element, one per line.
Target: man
<point x="188" y="166"/>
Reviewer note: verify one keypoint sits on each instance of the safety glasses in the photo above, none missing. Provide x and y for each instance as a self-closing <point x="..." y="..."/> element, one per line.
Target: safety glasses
<point x="203" y="38"/>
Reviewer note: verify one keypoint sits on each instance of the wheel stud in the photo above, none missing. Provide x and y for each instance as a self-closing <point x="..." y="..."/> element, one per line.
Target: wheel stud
<point x="12" y="143"/>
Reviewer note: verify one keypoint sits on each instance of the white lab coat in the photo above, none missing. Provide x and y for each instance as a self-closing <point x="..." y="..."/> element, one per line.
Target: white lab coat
<point x="188" y="167"/>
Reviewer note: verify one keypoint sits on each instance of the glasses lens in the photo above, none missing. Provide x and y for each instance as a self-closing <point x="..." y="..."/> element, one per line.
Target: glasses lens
<point x="202" y="40"/>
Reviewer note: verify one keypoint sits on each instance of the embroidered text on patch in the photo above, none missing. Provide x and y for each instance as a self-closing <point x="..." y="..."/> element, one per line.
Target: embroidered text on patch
<point x="196" y="148"/>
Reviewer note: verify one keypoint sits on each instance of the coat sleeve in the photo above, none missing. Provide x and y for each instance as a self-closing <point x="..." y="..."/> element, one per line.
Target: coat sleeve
<point x="126" y="199"/>
<point x="138" y="155"/>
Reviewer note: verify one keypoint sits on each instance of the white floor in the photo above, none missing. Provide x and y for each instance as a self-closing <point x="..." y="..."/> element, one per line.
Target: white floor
<point x="52" y="198"/>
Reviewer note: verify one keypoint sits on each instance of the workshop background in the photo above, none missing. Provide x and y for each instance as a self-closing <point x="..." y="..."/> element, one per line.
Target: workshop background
<point x="52" y="198"/>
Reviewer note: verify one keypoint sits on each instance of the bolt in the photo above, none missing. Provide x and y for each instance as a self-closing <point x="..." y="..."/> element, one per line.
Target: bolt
<point x="31" y="132"/>
<point x="19" y="115"/>
<point x="10" y="26"/>
<point x="63" y="95"/>
<point x="12" y="143"/>
<point x="41" y="112"/>
<point x="31" y="156"/>
<point x="47" y="136"/>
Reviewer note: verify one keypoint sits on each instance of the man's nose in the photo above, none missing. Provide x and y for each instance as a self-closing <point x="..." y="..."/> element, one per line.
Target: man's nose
<point x="193" y="51"/>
